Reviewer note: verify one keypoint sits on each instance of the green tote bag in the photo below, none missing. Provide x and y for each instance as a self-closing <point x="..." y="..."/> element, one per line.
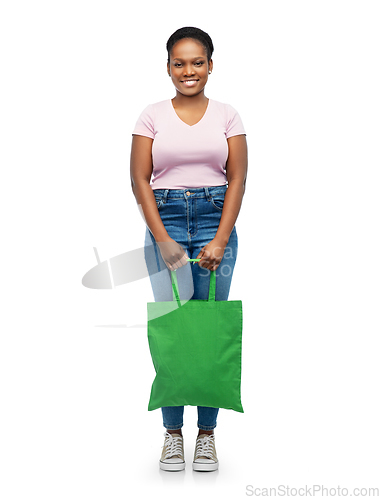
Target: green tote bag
<point x="196" y="349"/>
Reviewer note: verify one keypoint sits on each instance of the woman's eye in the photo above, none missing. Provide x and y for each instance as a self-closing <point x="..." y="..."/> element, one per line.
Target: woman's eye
<point x="199" y="63"/>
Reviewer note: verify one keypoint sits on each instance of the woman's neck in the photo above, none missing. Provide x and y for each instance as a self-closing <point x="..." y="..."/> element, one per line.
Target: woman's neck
<point x="193" y="101"/>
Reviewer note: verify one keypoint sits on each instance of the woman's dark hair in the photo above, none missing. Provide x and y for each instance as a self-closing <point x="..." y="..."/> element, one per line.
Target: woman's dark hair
<point x="191" y="32"/>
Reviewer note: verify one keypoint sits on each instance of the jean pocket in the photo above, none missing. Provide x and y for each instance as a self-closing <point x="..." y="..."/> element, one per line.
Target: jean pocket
<point x="217" y="201"/>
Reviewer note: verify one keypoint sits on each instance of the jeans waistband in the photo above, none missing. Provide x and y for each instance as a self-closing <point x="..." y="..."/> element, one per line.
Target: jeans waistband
<point x="203" y="192"/>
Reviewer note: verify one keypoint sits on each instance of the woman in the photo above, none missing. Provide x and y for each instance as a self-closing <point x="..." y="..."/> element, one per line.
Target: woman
<point x="185" y="152"/>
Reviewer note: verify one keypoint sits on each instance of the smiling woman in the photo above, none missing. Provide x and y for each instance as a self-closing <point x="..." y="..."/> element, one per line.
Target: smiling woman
<point x="188" y="173"/>
<point x="189" y="64"/>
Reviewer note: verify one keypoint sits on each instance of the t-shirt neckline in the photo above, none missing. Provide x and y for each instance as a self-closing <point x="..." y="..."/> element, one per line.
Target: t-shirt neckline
<point x="180" y="119"/>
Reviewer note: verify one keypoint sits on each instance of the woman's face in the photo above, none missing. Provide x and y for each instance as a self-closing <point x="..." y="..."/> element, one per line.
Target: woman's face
<point x="188" y="61"/>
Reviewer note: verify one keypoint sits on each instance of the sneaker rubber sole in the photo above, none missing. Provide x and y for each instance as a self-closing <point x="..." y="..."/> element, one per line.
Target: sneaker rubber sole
<point x="173" y="467"/>
<point x="205" y="467"/>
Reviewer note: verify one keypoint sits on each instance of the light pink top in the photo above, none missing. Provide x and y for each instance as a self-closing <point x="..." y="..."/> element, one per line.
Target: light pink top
<point x="184" y="155"/>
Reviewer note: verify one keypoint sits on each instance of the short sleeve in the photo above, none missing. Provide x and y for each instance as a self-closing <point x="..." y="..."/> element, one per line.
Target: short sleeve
<point x="145" y="123"/>
<point x="234" y="125"/>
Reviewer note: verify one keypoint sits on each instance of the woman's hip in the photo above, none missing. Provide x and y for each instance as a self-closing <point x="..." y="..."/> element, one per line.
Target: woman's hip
<point x="188" y="212"/>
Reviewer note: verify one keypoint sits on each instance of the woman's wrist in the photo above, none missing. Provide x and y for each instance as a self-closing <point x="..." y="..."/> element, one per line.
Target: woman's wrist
<point x="161" y="236"/>
<point x="221" y="239"/>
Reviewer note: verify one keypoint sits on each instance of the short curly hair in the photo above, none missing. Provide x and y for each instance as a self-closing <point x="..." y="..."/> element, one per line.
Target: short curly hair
<point x="191" y="32"/>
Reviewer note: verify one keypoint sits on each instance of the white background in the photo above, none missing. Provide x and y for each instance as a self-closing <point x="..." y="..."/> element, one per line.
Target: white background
<point x="304" y="77"/>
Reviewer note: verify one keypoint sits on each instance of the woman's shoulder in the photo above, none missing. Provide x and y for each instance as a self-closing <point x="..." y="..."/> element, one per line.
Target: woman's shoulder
<point x="225" y="106"/>
<point x="154" y="110"/>
<point x="230" y="117"/>
<point x="226" y="110"/>
<point x="158" y="105"/>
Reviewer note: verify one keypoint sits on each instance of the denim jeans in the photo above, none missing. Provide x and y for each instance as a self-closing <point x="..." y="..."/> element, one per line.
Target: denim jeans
<point x="191" y="217"/>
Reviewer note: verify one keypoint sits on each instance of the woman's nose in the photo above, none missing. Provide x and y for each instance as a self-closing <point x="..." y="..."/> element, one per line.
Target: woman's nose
<point x="188" y="69"/>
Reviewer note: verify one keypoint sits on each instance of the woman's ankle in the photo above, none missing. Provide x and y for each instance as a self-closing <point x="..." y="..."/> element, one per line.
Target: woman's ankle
<point x="201" y="431"/>
<point x="177" y="431"/>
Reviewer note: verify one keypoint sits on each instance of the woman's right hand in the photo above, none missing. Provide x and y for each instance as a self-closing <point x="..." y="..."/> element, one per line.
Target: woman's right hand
<point x="173" y="254"/>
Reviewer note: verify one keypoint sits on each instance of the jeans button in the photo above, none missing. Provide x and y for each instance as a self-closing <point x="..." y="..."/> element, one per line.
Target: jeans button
<point x="188" y="193"/>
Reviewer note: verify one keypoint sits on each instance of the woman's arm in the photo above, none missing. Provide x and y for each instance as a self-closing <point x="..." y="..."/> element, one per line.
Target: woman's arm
<point x="236" y="171"/>
<point x="141" y="168"/>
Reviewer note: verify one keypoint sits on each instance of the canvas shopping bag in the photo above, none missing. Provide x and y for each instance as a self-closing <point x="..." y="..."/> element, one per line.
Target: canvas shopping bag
<point x="196" y="348"/>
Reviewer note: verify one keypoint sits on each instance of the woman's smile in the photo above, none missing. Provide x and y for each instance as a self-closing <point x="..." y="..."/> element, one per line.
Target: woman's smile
<point x="189" y="83"/>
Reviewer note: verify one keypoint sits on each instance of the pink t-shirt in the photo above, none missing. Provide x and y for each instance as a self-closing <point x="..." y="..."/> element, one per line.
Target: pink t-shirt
<point x="184" y="155"/>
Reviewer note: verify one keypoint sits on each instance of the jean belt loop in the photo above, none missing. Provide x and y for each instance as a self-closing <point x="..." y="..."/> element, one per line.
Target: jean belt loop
<point x="165" y="197"/>
<point x="207" y="194"/>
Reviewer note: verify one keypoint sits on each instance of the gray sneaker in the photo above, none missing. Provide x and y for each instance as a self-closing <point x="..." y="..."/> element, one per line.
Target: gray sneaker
<point x="172" y="457"/>
<point x="205" y="458"/>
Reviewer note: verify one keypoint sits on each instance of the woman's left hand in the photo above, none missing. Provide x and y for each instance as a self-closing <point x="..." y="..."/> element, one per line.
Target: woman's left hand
<point x="211" y="255"/>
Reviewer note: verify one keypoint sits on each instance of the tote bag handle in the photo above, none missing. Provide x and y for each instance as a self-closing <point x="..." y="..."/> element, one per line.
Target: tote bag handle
<point x="211" y="291"/>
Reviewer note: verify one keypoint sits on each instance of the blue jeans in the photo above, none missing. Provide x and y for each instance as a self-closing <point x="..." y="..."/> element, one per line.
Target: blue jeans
<point x="191" y="218"/>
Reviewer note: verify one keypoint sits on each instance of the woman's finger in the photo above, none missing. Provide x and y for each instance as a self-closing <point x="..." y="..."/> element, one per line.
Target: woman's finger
<point x="183" y="260"/>
<point x="201" y="253"/>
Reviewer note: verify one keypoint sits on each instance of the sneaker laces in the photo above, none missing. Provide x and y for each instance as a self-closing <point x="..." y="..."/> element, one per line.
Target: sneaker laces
<point x="173" y="446"/>
<point x="205" y="446"/>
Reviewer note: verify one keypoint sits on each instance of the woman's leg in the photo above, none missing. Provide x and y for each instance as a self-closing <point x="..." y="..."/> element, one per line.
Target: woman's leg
<point x="206" y="419"/>
<point x="173" y="418"/>
<point x="207" y="416"/>
<point x="208" y="218"/>
<point x="160" y="278"/>
<point x="192" y="221"/>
